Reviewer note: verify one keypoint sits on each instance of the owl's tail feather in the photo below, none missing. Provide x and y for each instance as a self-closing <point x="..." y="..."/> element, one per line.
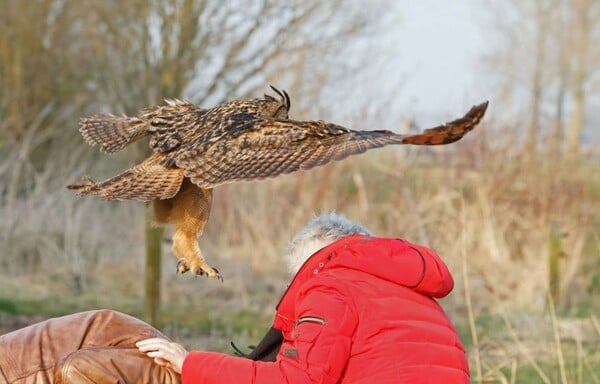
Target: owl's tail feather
<point x="111" y="132"/>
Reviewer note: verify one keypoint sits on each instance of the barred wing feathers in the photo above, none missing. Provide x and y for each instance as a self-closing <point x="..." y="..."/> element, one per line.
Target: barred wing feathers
<point x="262" y="148"/>
<point x="168" y="125"/>
<point x="147" y="181"/>
<point x="451" y="131"/>
<point x="172" y="124"/>
<point x="111" y="132"/>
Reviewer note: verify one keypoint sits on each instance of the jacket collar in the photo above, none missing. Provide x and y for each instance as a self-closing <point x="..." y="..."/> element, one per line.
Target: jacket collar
<point x="284" y="315"/>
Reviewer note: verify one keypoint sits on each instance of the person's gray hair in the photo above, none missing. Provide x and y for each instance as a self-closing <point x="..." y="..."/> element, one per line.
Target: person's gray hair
<point x="320" y="231"/>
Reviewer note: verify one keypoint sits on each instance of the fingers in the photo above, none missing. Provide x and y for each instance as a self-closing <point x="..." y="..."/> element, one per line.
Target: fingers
<point x="150" y="344"/>
<point x="164" y="352"/>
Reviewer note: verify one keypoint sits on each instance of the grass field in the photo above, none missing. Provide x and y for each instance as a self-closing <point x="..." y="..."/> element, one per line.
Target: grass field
<point x="521" y="235"/>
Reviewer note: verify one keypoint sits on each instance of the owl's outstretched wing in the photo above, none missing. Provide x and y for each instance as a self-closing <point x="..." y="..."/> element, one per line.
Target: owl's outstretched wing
<point x="111" y="132"/>
<point x="147" y="181"/>
<point x="262" y="148"/>
<point x="166" y="124"/>
<point x="171" y="124"/>
<point x="449" y="132"/>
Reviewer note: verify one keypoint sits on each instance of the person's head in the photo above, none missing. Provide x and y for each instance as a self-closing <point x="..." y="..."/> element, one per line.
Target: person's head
<point x="319" y="232"/>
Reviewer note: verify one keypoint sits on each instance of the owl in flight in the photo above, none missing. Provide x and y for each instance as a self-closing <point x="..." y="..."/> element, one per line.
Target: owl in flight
<point x="196" y="150"/>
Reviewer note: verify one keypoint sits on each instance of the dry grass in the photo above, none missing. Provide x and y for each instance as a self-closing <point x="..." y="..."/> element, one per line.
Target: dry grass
<point x="488" y="211"/>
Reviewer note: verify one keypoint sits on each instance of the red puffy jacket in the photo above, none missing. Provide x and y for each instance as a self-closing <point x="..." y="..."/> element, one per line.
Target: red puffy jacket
<point x="358" y="311"/>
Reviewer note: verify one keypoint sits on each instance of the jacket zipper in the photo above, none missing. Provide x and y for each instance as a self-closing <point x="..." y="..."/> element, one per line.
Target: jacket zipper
<point x="310" y="319"/>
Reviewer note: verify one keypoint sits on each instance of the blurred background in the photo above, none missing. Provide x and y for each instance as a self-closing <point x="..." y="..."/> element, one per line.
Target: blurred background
<point x="514" y="208"/>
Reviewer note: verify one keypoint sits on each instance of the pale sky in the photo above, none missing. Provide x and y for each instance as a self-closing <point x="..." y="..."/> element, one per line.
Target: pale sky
<point x="442" y="45"/>
<point x="425" y="63"/>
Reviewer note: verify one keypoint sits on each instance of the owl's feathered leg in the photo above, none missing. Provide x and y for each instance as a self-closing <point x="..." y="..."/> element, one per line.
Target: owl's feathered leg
<point x="185" y="247"/>
<point x="189" y="211"/>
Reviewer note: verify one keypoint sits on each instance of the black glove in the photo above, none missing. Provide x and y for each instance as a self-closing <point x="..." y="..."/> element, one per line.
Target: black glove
<point x="266" y="350"/>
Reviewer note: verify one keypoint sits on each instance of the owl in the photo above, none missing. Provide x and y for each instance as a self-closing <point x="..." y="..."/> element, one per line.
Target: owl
<point x="195" y="150"/>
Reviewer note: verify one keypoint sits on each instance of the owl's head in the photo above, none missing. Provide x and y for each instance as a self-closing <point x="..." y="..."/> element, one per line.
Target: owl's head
<point x="269" y="107"/>
<point x="277" y="108"/>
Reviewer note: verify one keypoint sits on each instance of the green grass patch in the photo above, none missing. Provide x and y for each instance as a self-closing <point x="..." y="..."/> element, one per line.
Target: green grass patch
<point x="45" y="306"/>
<point x="53" y="306"/>
<point x="232" y="323"/>
<point x="582" y="370"/>
<point x="485" y="324"/>
<point x="8" y="306"/>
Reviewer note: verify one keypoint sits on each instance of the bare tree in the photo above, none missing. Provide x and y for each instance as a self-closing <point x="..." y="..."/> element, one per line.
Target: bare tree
<point x="63" y="59"/>
<point x="207" y="51"/>
<point x="584" y="43"/>
<point x="563" y="69"/>
<point x="40" y="67"/>
<point x="541" y="11"/>
<point x="547" y="61"/>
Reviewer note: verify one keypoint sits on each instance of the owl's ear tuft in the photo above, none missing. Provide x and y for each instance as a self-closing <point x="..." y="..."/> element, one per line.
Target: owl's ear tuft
<point x="288" y="103"/>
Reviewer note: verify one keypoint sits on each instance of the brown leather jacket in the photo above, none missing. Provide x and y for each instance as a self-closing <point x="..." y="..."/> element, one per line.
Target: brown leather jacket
<point x="87" y="347"/>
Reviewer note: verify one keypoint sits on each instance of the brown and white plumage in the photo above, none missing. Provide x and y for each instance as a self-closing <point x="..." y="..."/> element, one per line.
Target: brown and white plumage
<point x="197" y="149"/>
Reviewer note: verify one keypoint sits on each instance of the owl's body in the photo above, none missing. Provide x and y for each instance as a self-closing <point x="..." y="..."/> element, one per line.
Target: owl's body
<point x="195" y="150"/>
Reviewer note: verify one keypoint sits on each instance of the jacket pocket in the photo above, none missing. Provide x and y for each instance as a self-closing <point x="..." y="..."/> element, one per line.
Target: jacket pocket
<point x="307" y="328"/>
<point x="303" y="338"/>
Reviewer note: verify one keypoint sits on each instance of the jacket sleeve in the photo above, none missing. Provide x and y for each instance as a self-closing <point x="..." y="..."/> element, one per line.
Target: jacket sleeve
<point x="315" y="351"/>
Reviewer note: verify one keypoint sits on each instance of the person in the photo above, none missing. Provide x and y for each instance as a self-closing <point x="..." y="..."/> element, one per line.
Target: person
<point x="87" y="347"/>
<point x="360" y="309"/>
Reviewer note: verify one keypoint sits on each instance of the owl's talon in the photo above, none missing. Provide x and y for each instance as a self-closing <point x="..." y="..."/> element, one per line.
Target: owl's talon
<point x="206" y="271"/>
<point x="218" y="276"/>
<point x="198" y="269"/>
<point x="182" y="267"/>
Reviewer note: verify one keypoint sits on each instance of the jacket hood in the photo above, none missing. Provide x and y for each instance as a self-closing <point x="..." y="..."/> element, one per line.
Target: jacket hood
<point x="411" y="265"/>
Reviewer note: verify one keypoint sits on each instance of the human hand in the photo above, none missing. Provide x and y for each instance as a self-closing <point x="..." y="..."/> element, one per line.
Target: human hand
<point x="164" y="352"/>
